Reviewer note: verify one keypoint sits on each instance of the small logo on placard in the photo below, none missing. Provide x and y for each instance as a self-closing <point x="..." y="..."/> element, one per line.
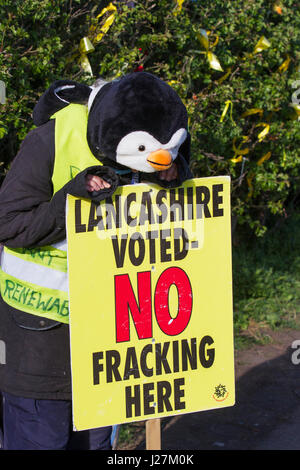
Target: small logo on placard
<point x="221" y="393"/>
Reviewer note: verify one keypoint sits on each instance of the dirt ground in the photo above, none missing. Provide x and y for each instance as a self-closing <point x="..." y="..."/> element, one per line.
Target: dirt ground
<point x="267" y="410"/>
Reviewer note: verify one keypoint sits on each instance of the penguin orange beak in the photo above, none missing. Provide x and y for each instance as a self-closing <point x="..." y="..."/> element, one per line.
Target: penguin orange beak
<point x="160" y="159"/>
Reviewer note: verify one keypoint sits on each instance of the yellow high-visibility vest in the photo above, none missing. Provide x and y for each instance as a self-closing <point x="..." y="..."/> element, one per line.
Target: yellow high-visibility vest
<point x="35" y="280"/>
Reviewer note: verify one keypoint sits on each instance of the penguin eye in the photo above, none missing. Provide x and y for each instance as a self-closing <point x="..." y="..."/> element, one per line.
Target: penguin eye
<point x="142" y="148"/>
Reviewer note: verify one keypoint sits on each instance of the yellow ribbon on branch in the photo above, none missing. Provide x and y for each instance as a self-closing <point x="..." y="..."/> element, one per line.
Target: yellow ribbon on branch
<point x="296" y="108"/>
<point x="86" y="45"/>
<point x="212" y="59"/>
<point x="264" y="132"/>
<point x="178" y="7"/>
<point x="264" y="158"/>
<point x="223" y="78"/>
<point x="107" y="23"/>
<point x="262" y="44"/>
<point x="237" y="159"/>
<point x="252" y="111"/>
<point x="238" y="152"/>
<point x="285" y="65"/>
<point x="227" y="104"/>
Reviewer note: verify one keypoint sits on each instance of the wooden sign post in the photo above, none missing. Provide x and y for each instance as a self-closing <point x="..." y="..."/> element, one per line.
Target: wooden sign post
<point x="153" y="434"/>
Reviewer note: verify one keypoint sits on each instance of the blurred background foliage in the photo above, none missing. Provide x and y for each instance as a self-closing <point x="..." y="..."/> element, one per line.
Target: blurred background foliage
<point x="238" y="94"/>
<point x="235" y="65"/>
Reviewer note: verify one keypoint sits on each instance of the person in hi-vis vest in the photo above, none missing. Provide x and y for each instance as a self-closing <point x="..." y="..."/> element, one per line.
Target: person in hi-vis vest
<point x="88" y="141"/>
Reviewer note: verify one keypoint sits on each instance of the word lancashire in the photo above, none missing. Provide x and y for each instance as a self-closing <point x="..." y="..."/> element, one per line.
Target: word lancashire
<point x="151" y="208"/>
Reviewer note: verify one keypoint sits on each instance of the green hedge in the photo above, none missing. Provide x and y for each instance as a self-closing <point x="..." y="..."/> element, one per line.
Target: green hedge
<point x="39" y="43"/>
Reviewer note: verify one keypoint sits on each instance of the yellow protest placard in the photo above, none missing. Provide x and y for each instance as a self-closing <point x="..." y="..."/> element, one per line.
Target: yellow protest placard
<point x="150" y="287"/>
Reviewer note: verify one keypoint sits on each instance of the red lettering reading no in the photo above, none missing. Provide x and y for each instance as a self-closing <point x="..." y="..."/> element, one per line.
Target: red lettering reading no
<point x="140" y="308"/>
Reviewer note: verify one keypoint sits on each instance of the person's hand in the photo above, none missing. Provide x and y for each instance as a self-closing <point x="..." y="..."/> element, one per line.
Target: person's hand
<point x="169" y="174"/>
<point x="95" y="183"/>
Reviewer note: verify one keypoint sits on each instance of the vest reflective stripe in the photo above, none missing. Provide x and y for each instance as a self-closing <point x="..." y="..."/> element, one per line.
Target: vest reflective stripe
<point x="42" y="276"/>
<point x="63" y="245"/>
<point x="44" y="256"/>
<point x="35" y="280"/>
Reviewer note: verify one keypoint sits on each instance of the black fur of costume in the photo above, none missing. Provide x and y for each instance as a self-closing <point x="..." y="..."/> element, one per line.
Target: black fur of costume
<point x="136" y="102"/>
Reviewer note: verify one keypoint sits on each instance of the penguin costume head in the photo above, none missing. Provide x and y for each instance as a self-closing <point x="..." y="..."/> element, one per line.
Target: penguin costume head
<point x="137" y="121"/>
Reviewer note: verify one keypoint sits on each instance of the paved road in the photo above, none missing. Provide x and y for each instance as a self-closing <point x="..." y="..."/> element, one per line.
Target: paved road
<point x="266" y="415"/>
<point x="285" y="436"/>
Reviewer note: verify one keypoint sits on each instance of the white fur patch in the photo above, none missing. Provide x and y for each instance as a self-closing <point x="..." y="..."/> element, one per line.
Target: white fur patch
<point x="95" y="89"/>
<point x="130" y="153"/>
<point x="60" y="88"/>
